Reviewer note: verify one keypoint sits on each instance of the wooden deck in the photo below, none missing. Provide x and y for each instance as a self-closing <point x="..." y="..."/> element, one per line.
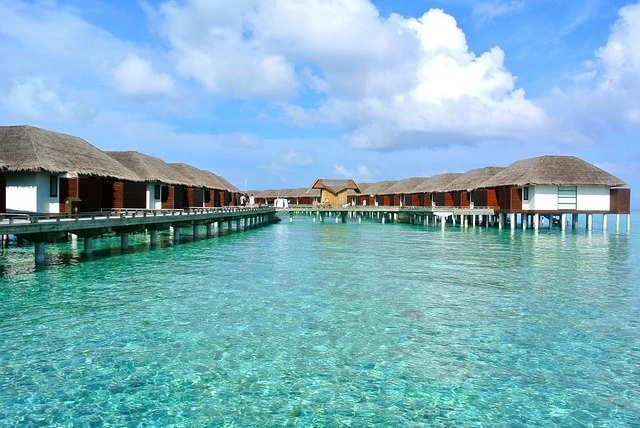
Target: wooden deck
<point x="38" y="227"/>
<point x="436" y="211"/>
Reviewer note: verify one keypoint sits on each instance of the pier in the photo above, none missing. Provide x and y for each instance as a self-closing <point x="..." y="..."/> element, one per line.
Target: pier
<point x="463" y="216"/>
<point x="43" y="229"/>
<point x="395" y="214"/>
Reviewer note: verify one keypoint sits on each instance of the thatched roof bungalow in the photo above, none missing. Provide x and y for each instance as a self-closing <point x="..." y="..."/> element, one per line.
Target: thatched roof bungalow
<point x="550" y="184"/>
<point x="430" y="191"/>
<point x="334" y="192"/>
<point x="464" y="190"/>
<point x="401" y="192"/>
<point x="374" y="193"/>
<point x="205" y="188"/>
<point x="50" y="172"/>
<point x="159" y="180"/>
<point x="3" y="187"/>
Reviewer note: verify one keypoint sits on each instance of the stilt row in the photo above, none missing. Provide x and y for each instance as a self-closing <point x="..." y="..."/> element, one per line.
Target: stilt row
<point x="514" y="220"/>
<point x="212" y="228"/>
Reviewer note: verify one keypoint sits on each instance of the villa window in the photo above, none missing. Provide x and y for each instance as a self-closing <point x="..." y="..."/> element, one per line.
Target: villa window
<point x="525" y="193"/>
<point x="156" y="192"/>
<point x="567" y="197"/>
<point x="53" y="186"/>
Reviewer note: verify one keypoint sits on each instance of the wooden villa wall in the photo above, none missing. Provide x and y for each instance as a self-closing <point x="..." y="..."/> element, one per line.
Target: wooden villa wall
<point x="90" y="192"/>
<point x="444" y="200"/>
<point x="413" y="200"/>
<point x="3" y="192"/>
<point x="510" y="199"/>
<point x="461" y="199"/>
<point x="486" y="198"/>
<point x="427" y="200"/>
<point x="193" y="197"/>
<point x="620" y="201"/>
<point x="107" y="194"/>
<point x="134" y="195"/>
<point x="335" y="200"/>
<point x="69" y="188"/>
<point x="168" y="194"/>
<point x="209" y="198"/>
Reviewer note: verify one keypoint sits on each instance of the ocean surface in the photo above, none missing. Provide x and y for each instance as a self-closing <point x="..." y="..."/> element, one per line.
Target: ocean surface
<point x="325" y="324"/>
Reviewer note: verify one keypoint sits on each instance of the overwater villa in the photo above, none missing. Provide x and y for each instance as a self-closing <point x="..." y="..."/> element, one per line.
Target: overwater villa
<point x="161" y="182"/>
<point x="49" y="172"/>
<point x="333" y="193"/>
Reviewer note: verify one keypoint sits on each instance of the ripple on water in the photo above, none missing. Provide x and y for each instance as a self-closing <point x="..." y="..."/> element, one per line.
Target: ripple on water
<point x="326" y="324"/>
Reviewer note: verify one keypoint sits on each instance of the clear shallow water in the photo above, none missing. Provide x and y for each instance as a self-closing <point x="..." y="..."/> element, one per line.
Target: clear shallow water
<point x="330" y="324"/>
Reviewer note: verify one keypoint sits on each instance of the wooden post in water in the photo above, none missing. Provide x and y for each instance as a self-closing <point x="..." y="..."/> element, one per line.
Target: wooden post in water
<point x="39" y="253"/>
<point x="154" y="238"/>
<point x="124" y="241"/>
<point x="88" y="245"/>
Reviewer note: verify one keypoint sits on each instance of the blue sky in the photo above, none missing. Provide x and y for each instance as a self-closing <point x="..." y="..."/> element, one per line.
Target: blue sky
<point x="277" y="93"/>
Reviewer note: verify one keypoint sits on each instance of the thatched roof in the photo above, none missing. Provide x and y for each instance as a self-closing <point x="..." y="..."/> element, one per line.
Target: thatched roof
<point x="405" y="186"/>
<point x="335" y="186"/>
<point x="552" y="171"/>
<point x="362" y="186"/>
<point x="227" y="185"/>
<point x="380" y="187"/>
<point x="472" y="179"/>
<point x="149" y="168"/>
<point x="221" y="184"/>
<point x="30" y="149"/>
<point x="435" y="183"/>
<point x="195" y="176"/>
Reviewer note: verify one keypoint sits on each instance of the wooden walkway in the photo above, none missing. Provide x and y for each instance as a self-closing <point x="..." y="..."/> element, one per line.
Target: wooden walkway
<point x="41" y="229"/>
<point x="406" y="214"/>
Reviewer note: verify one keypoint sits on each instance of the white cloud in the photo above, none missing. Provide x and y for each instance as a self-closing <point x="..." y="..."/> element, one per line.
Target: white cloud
<point x="135" y="77"/>
<point x="294" y="158"/>
<point x="620" y="58"/>
<point x="381" y="79"/>
<point x="39" y="99"/>
<point x="608" y="96"/>
<point x="488" y="10"/>
<point x="360" y="173"/>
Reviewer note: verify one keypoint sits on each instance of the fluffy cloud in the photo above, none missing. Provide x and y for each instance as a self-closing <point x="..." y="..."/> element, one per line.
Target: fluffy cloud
<point x="360" y="173"/>
<point x="390" y="82"/>
<point x="39" y="99"/>
<point x="135" y="77"/>
<point x="620" y="58"/>
<point x="606" y="97"/>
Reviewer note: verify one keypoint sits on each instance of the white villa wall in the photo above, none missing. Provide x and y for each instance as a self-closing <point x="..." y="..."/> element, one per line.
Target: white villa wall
<point x="594" y="198"/>
<point x="30" y="192"/>
<point x="589" y="198"/>
<point x="542" y="198"/>
<point x="152" y="203"/>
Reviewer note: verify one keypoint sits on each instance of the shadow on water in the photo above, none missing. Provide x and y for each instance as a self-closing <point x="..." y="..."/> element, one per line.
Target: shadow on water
<point x="17" y="258"/>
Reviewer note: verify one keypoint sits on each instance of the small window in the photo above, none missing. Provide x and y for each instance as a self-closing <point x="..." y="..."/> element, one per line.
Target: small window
<point x="53" y="186"/>
<point x="156" y="192"/>
<point x="525" y="193"/>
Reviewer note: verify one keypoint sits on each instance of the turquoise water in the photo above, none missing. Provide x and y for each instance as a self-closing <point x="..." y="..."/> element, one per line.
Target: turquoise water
<point x="309" y="324"/>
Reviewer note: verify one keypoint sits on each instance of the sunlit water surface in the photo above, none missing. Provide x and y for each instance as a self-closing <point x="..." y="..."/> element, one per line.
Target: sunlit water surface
<point x="309" y="324"/>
